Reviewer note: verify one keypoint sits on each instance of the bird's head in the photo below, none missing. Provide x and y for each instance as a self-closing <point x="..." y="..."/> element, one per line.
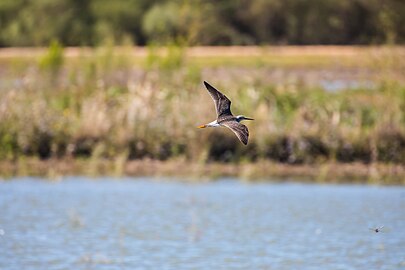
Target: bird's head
<point x="240" y="118"/>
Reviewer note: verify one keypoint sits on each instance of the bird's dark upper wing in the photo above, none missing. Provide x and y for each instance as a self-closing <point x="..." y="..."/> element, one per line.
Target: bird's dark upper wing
<point x="240" y="130"/>
<point x="222" y="103"/>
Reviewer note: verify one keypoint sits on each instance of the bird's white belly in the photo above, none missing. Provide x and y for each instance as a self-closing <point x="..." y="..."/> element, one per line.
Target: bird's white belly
<point x="213" y="124"/>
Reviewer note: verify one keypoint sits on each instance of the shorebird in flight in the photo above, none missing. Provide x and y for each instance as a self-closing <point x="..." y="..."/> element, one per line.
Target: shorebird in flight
<point x="377" y="229"/>
<point x="225" y="117"/>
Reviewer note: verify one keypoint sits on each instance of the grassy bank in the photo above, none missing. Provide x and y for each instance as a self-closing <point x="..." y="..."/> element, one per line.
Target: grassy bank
<point x="263" y="170"/>
<point x="129" y="105"/>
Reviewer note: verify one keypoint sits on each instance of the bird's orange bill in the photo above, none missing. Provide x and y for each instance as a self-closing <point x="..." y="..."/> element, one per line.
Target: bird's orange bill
<point x="202" y="126"/>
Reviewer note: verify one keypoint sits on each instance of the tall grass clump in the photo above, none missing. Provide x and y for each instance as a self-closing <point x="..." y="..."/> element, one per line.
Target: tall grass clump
<point x="52" y="60"/>
<point x="167" y="58"/>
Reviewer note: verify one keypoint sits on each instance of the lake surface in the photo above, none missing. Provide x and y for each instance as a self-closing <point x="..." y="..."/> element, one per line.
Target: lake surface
<point x="81" y="223"/>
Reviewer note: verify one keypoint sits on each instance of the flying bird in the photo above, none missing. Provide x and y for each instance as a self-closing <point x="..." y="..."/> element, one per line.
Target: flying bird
<point x="378" y="229"/>
<point x="225" y="117"/>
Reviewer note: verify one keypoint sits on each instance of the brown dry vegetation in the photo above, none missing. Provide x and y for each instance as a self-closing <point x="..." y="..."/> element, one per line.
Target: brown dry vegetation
<point x="330" y="113"/>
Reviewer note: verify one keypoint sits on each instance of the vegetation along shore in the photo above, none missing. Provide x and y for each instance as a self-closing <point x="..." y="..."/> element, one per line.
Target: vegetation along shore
<point x="319" y="111"/>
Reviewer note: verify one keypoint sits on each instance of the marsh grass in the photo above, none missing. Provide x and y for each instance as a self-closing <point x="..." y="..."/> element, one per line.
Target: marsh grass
<point x="107" y="105"/>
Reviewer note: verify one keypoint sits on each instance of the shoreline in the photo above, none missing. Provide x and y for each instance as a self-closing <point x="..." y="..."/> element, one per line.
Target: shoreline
<point x="331" y="172"/>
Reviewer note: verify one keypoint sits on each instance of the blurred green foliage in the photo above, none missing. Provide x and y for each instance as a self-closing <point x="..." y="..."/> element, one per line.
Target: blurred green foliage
<point x="199" y="22"/>
<point x="53" y="59"/>
<point x="173" y="58"/>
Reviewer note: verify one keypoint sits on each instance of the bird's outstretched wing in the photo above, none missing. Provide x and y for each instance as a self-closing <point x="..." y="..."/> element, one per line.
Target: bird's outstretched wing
<point x="222" y="103"/>
<point x="240" y="130"/>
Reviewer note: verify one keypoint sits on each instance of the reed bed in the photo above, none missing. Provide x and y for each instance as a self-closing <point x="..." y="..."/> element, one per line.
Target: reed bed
<point x="107" y="104"/>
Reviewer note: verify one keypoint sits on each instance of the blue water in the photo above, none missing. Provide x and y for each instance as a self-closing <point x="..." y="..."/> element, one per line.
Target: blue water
<point x="81" y="223"/>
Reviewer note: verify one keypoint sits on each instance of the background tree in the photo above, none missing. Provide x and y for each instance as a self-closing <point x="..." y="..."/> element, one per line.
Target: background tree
<point x="198" y="22"/>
